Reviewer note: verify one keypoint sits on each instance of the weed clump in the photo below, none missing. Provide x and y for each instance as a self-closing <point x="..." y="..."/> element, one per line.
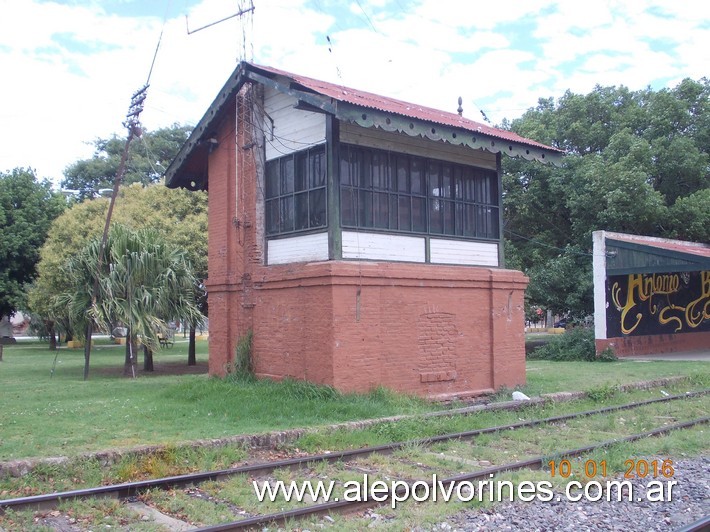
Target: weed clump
<point x="242" y="368"/>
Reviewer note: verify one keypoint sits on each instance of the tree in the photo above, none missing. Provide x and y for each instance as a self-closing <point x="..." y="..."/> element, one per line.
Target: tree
<point x="148" y="159"/>
<point x="178" y="216"/>
<point x="27" y="209"/>
<point x="143" y="284"/>
<point x="637" y="162"/>
<point x="689" y="217"/>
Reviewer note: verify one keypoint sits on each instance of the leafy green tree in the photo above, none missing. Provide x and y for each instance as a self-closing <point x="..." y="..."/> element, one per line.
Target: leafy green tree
<point x="178" y="216"/>
<point x="689" y="217"/>
<point x="27" y="209"/>
<point x="637" y="162"/>
<point x="149" y="156"/>
<point x="143" y="284"/>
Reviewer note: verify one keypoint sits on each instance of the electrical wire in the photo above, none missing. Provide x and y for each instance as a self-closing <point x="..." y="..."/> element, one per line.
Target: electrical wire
<point x="564" y="250"/>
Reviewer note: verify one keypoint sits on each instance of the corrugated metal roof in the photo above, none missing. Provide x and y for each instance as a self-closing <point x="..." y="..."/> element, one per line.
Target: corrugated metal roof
<point x="681" y="246"/>
<point x="188" y="169"/>
<point x="391" y="105"/>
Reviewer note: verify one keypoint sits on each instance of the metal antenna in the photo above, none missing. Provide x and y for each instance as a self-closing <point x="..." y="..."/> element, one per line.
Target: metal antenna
<point x="237" y="14"/>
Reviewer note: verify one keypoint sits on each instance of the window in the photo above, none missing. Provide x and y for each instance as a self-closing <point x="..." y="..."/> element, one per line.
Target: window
<point x="397" y="192"/>
<point x="295" y="192"/>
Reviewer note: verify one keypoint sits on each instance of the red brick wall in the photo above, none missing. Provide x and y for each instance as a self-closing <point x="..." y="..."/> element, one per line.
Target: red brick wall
<point x="437" y="331"/>
<point x="655" y="344"/>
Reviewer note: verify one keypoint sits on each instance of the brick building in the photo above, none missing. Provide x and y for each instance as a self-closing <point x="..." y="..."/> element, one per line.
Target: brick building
<point x="651" y="295"/>
<point x="357" y="236"/>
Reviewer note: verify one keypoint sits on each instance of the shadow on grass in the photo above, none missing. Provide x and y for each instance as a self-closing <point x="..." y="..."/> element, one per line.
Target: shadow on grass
<point x="160" y="369"/>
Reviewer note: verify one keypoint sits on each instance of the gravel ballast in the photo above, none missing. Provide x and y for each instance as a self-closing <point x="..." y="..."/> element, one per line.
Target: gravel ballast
<point x="690" y="503"/>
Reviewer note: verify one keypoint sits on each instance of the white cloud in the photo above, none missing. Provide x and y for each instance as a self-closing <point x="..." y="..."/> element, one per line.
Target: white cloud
<point x="69" y="68"/>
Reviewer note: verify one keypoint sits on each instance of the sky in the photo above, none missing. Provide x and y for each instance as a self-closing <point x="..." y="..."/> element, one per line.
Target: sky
<point x="68" y="68"/>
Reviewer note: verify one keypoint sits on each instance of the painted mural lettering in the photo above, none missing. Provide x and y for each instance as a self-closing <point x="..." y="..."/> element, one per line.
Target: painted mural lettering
<point x="698" y="310"/>
<point x="658" y="303"/>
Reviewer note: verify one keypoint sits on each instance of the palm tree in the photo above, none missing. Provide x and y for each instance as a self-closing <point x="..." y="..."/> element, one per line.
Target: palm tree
<point x="143" y="284"/>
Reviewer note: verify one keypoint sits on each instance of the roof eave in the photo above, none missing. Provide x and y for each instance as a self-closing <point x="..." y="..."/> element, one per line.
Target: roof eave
<point x="177" y="175"/>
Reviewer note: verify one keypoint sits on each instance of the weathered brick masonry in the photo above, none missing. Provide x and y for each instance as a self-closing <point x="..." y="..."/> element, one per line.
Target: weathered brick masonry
<point x="655" y="344"/>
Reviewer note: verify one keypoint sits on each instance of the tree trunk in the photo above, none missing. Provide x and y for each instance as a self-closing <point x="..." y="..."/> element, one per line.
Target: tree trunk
<point x="1" y="352"/>
<point x="68" y="337"/>
<point x="52" y="336"/>
<point x="130" y="364"/>
<point x="191" y="358"/>
<point x="147" y="358"/>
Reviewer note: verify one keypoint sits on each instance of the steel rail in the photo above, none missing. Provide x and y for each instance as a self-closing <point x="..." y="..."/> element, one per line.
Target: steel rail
<point x="701" y="524"/>
<point x="130" y="489"/>
<point x="346" y="506"/>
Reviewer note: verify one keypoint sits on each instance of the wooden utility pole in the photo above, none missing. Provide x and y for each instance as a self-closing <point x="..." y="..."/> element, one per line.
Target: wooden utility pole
<point x="132" y="123"/>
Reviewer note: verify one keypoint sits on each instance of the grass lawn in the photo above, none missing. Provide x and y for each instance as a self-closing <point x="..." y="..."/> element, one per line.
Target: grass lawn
<point x="545" y="376"/>
<point x="60" y="414"/>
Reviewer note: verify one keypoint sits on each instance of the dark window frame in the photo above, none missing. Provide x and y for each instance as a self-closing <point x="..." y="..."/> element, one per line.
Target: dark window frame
<point x="393" y="192"/>
<point x="295" y="197"/>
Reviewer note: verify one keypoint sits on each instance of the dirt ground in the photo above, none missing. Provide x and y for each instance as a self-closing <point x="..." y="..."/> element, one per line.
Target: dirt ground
<point x="160" y="369"/>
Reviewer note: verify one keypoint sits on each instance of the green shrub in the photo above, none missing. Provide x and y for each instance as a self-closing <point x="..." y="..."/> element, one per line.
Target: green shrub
<point x="574" y="344"/>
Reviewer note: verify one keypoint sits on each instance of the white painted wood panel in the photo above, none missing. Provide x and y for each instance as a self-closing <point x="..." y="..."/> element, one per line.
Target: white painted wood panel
<point x="374" y="246"/>
<point x="461" y="252"/>
<point x="304" y="248"/>
<point x="293" y="130"/>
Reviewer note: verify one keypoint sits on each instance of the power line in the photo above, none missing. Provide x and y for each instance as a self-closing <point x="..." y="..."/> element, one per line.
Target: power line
<point x="369" y="21"/>
<point x="564" y="250"/>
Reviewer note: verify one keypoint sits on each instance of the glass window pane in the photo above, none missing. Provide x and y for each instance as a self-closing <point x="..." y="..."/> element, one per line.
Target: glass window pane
<point x="272" y="217"/>
<point x="434" y="175"/>
<point x="365" y="209"/>
<point x="365" y="169"/>
<point x="493" y="188"/>
<point x="346" y="170"/>
<point x="301" y="202"/>
<point x="287" y="175"/>
<point x="436" y="215"/>
<point x="301" y="172"/>
<point x="381" y="210"/>
<point x="272" y="179"/>
<point x="418" y="176"/>
<point x="286" y="213"/>
<point x="446" y="181"/>
<point x="468" y="192"/>
<point x="393" y="223"/>
<point x="348" y="206"/>
<point x="405" y="214"/>
<point x="460" y="211"/>
<point x="494" y="226"/>
<point x="317" y="168"/>
<point x="448" y="211"/>
<point x="469" y="220"/>
<point x="419" y="214"/>
<point x="481" y="221"/>
<point x="403" y="173"/>
<point x="379" y="170"/>
<point x="317" y="208"/>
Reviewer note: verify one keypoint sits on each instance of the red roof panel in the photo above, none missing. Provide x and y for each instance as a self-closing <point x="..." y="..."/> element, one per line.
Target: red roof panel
<point x="411" y="110"/>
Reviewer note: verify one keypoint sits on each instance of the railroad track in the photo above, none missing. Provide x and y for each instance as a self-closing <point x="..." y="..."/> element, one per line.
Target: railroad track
<point x="134" y="489"/>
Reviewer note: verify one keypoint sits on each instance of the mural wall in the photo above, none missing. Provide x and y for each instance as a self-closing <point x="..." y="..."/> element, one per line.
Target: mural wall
<point x="642" y="304"/>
